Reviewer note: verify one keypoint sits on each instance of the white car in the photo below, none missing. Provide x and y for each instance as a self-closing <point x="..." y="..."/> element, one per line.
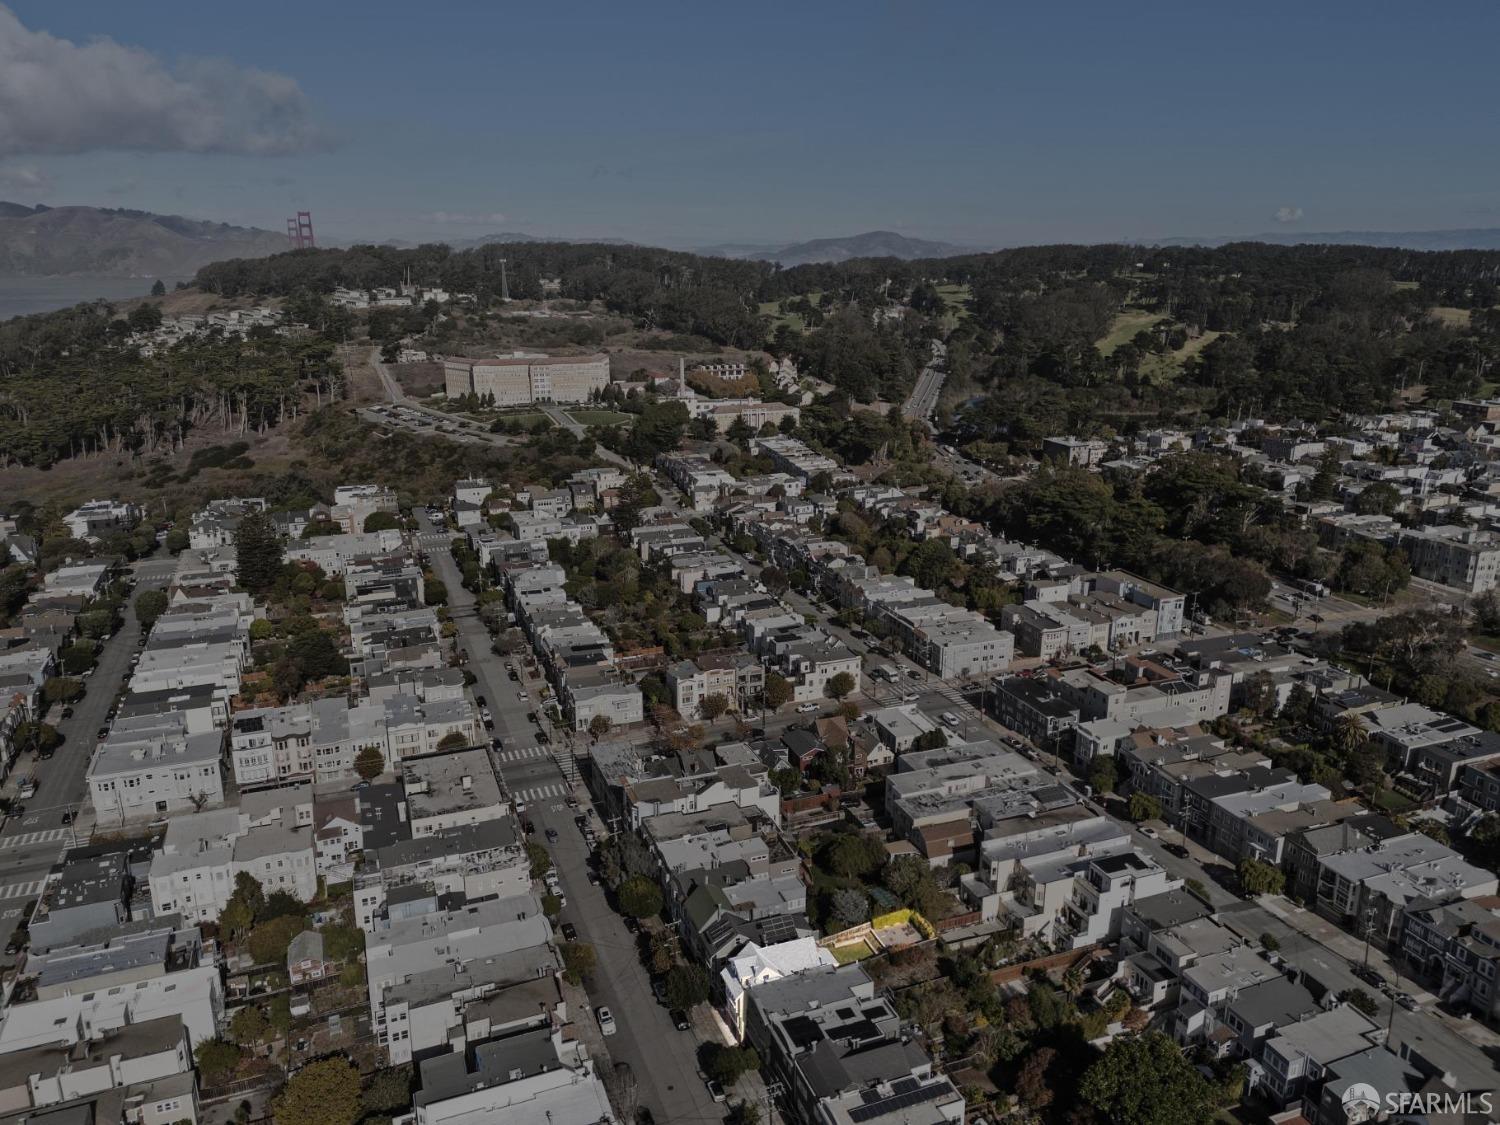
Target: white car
<point x="807" y="708"/>
<point x="606" y="1021"/>
<point x="949" y="719"/>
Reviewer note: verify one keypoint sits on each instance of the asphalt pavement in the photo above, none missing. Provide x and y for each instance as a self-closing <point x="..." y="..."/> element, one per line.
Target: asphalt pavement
<point x="32" y="842"/>
<point x="662" y="1059"/>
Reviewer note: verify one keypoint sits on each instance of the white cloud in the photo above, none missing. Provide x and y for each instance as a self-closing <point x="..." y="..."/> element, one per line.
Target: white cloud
<point x="57" y="96"/>
<point x="24" y="178"/>
<point x="462" y="218"/>
<point x="1288" y="214"/>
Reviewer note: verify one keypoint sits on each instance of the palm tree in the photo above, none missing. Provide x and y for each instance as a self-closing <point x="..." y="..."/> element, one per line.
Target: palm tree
<point x="1349" y="733"/>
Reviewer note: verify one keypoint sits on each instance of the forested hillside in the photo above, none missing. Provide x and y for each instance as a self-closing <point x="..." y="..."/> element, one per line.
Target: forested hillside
<point x="1095" y="339"/>
<point x="1281" y="330"/>
<point x="70" y="385"/>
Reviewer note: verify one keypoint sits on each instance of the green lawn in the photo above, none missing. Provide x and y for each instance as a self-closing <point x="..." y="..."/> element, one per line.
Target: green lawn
<point x="1454" y="318"/>
<point x="1388" y="800"/>
<point x="854" y="951"/>
<point x="599" y="417"/>
<point x="1123" y="330"/>
<point x="769" y="308"/>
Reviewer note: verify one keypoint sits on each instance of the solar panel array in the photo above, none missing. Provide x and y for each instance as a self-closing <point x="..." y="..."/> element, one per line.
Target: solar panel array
<point x="907" y="1097"/>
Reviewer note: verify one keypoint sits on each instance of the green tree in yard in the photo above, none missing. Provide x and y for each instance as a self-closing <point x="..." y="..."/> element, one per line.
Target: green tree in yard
<point x="848" y="906"/>
<point x="934" y="739"/>
<point x="778" y="691"/>
<point x="269" y="939"/>
<point x="852" y="855"/>
<point x="176" y="541"/>
<point x="387" y="1090"/>
<point x="248" y="1025"/>
<point x="788" y="779"/>
<point x="1143" y="806"/>
<point x="1258" y="878"/>
<point x="280" y="1013"/>
<point x="434" y="592"/>
<point x="725" y="1065"/>
<point x="217" y="1060"/>
<point x="687" y="985"/>
<point x="841" y="685"/>
<point x="713" y="706"/>
<point x="579" y="960"/>
<point x="258" y="553"/>
<point x="62" y="689"/>
<point x="248" y="890"/>
<point x="640" y="897"/>
<point x="1360" y="999"/>
<point x="1146" y="1080"/>
<point x="454" y="740"/>
<point x="539" y="858"/>
<point x="1103" y="774"/>
<point x="282" y="904"/>
<point x="325" y="1092"/>
<point x="381" y="521"/>
<point x="599" y="726"/>
<point x="236" y="918"/>
<point x="369" y="763"/>
<point x="149" y="605"/>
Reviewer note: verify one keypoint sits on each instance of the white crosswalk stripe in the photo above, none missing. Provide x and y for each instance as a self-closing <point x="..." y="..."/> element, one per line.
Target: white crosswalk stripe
<point x="26" y="839"/>
<point x="521" y="754"/>
<point x="20" y="890"/>
<point x="540" y="792"/>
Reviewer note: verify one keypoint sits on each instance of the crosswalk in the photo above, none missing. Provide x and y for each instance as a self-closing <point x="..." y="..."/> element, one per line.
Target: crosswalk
<point x="520" y="754"/>
<point x="540" y="792"/>
<point x="21" y="890"/>
<point x="26" y="839"/>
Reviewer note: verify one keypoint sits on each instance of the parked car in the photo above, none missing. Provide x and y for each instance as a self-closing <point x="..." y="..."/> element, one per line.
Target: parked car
<point x="593" y="879"/>
<point x="552" y="835"/>
<point x="569" y="931"/>
<point x="479" y="699"/>
<point x="715" y="1091"/>
<point x="1150" y="833"/>
<point x="1408" y="1002"/>
<point x="659" y="990"/>
<point x="949" y="719"/>
<point x="806" y="708"/>
<point x="543" y="737"/>
<point x="606" y="1021"/>
<point x="680" y="1020"/>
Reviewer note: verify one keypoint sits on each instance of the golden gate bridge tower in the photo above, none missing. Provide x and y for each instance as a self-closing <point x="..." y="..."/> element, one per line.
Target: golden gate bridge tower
<point x="299" y="231"/>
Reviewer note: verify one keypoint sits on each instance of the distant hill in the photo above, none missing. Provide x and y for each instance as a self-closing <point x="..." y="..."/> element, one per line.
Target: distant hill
<point x="1474" y="238"/>
<point x="61" y="241"/>
<point x="871" y="244"/>
<point x="503" y="237"/>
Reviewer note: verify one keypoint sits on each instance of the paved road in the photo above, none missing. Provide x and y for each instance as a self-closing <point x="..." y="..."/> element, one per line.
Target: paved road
<point x="662" y="1058"/>
<point x="924" y="396"/>
<point x="31" y="843"/>
<point x="467" y="430"/>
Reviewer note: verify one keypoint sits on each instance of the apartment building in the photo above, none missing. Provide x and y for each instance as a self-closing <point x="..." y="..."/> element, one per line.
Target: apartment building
<point x="522" y="378"/>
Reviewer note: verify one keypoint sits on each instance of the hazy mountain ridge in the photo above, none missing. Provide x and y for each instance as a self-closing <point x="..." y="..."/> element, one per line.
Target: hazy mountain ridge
<point x="503" y="237"/>
<point x="870" y="244"/>
<point x="46" y="241"/>
<point x="1468" y="238"/>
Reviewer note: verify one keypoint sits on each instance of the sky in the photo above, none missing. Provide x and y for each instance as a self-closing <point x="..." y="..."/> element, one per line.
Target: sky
<point x="983" y="124"/>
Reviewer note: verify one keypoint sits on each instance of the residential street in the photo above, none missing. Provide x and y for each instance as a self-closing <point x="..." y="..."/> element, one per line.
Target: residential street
<point x="663" y="1059"/>
<point x="33" y="841"/>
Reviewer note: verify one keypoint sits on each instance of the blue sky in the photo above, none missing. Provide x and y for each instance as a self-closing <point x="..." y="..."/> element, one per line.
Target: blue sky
<point x="984" y="124"/>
